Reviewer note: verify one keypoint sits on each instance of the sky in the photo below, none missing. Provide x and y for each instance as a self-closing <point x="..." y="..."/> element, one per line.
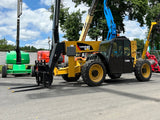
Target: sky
<point x="36" y="27"/>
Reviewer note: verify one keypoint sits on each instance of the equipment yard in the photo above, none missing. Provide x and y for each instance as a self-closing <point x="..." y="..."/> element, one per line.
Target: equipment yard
<point x="121" y="99"/>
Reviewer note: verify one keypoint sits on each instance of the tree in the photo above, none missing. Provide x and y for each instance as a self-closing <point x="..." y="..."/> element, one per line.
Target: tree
<point x="140" y="45"/>
<point x="70" y="23"/>
<point x="3" y="42"/>
<point x="72" y="26"/>
<point x="135" y="9"/>
<point x="6" y="47"/>
<point x="152" y="13"/>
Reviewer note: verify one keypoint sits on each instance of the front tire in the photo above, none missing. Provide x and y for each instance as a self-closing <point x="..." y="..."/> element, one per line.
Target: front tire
<point x="93" y="73"/>
<point x="4" y="71"/>
<point x="47" y="80"/>
<point x="143" y="70"/>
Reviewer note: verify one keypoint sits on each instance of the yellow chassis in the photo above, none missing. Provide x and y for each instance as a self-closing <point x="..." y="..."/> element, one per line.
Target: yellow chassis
<point x="74" y="66"/>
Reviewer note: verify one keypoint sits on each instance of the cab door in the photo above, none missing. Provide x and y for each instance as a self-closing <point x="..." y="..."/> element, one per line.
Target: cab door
<point x="128" y="60"/>
<point x="116" y="58"/>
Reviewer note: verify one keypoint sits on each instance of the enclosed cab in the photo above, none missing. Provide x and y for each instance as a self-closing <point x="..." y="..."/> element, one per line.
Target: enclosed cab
<point x="117" y="55"/>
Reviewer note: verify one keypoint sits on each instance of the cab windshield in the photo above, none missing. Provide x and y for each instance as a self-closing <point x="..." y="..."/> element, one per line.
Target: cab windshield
<point x="105" y="49"/>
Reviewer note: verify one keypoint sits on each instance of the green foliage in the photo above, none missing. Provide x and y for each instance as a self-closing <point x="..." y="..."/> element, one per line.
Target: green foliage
<point x="140" y="45"/>
<point x="3" y="42"/>
<point x="29" y="48"/>
<point x="6" y="47"/>
<point x="70" y="23"/>
<point x="72" y="26"/>
<point x="152" y="13"/>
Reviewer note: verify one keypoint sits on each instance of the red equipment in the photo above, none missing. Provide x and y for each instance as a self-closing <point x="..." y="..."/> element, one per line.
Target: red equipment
<point x="154" y="62"/>
<point x="43" y="55"/>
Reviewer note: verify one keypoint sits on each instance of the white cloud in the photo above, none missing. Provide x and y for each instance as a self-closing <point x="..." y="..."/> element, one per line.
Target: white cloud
<point x="32" y="22"/>
<point x="47" y="2"/>
<point x="10" y="4"/>
<point x="11" y="42"/>
<point x="69" y="4"/>
<point x="5" y="31"/>
<point x="28" y="34"/>
<point x="40" y="44"/>
<point x="133" y="30"/>
<point x="38" y="18"/>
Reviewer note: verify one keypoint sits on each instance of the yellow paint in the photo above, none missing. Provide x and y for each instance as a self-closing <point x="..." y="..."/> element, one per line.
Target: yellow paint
<point x="93" y="44"/>
<point x="147" y="42"/>
<point x="71" y="66"/>
<point x="85" y="28"/>
<point x="147" y="72"/>
<point x="133" y="51"/>
<point x="99" y="75"/>
<point x="62" y="71"/>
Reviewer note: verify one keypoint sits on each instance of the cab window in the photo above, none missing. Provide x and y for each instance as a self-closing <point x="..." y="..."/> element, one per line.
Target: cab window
<point x="127" y="48"/>
<point x="117" y="49"/>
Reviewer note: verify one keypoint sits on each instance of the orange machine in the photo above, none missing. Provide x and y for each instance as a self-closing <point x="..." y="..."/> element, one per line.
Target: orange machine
<point x="43" y="55"/>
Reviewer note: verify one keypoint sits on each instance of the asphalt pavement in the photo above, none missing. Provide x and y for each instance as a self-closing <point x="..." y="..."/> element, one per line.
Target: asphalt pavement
<point x="121" y="99"/>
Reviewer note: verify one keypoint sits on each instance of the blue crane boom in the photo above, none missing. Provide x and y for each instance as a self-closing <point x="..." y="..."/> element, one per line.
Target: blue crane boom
<point x="109" y="18"/>
<point x="110" y="22"/>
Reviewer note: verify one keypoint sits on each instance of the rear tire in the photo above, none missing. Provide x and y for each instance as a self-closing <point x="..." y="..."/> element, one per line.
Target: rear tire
<point x="33" y="71"/>
<point x="72" y="79"/>
<point x="115" y="76"/>
<point x="93" y="73"/>
<point x="143" y="70"/>
<point x="4" y="71"/>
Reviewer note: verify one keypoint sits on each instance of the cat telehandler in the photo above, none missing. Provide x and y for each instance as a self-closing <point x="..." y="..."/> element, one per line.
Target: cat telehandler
<point x="113" y="57"/>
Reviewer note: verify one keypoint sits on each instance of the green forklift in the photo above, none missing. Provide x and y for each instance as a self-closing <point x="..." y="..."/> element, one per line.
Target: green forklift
<point x="17" y="59"/>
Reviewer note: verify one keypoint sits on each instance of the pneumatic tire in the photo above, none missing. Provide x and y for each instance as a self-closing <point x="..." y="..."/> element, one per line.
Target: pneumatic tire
<point x="47" y="80"/>
<point x="33" y="71"/>
<point x="72" y="79"/>
<point x="93" y="73"/>
<point x="4" y="71"/>
<point x="143" y="70"/>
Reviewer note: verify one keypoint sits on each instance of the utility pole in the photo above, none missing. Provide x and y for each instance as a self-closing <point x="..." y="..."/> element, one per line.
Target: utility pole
<point x="49" y="42"/>
<point x="19" y="13"/>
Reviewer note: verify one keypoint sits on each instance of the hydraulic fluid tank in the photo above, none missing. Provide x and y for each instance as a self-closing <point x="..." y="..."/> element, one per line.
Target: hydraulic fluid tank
<point x="43" y="55"/>
<point x="11" y="57"/>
